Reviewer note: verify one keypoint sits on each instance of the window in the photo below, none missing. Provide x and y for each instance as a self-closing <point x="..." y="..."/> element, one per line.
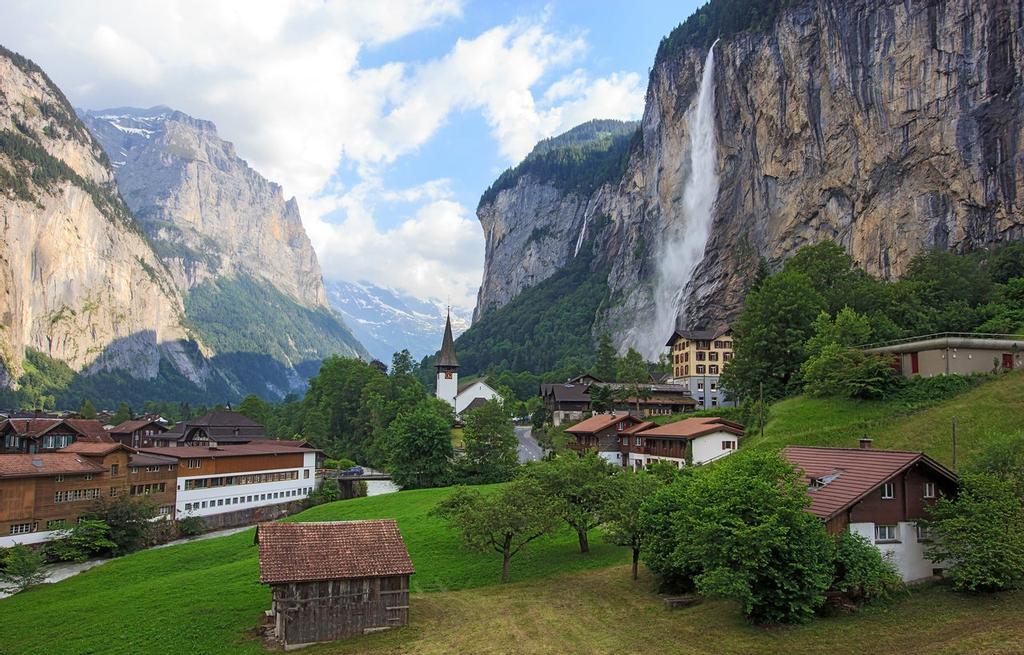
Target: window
<point x="88" y="476"/>
<point x="888" y="491"/>
<point x="714" y="385"/>
<point x="153" y="469"/>
<point x="188" y="507"/>
<point x="929" y="490"/>
<point x="204" y="504"/>
<point x="220" y="502"/>
<point x="113" y="492"/>
<point x="170" y="467"/>
<point x="700" y="369"/>
<point x="248" y="499"/>
<point x="113" y="469"/>
<point x="59" y="478"/>
<point x="23" y="528"/>
<point x="195" y="463"/>
<point x="713" y="369"/>
<point x="73" y="495"/>
<point x="700" y="386"/>
<point x="165" y="510"/>
<point x="726" y="357"/>
<point x="701" y="356"/>
<point x="713" y="356"/>
<point x="638" y="441"/>
<point x="719" y="344"/>
<point x="56" y="524"/>
<point x="924" y="533"/>
<point x="728" y="445"/>
<point x="884" y="533"/>
<point x="133" y="470"/>
<point x="305" y="474"/>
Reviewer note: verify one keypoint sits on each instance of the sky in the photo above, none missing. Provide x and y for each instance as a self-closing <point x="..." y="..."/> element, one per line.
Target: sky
<point x="386" y="119"/>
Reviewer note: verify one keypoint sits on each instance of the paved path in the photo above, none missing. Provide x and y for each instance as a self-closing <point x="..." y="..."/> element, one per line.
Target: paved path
<point x="528" y="449"/>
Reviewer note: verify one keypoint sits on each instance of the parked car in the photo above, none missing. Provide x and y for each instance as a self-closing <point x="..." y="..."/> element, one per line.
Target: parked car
<point x="355" y="470"/>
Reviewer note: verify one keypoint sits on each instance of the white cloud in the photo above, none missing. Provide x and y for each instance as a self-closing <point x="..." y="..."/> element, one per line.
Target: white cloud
<point x="283" y="81"/>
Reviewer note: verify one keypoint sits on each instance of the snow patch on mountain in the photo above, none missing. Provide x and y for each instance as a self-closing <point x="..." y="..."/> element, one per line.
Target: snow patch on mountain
<point x="387" y="320"/>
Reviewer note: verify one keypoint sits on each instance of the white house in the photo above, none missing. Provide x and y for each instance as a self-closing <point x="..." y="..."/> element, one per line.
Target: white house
<point x="692" y="440"/>
<point x="448" y="389"/>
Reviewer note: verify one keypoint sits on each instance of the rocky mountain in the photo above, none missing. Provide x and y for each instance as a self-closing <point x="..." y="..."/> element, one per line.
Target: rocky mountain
<point x="80" y="283"/>
<point x="213" y="293"/>
<point x="885" y="126"/>
<point x="253" y="287"/>
<point x="387" y="320"/>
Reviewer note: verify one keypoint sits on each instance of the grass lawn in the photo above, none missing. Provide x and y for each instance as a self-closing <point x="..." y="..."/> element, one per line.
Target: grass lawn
<point x="203" y="597"/>
<point x="603" y="611"/>
<point x="990" y="410"/>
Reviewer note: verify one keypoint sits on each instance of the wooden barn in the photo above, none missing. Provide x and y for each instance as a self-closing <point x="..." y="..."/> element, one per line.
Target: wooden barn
<point x="334" y="579"/>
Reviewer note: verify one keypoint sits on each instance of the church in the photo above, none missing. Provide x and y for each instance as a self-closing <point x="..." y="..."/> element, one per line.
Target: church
<point x="465" y="396"/>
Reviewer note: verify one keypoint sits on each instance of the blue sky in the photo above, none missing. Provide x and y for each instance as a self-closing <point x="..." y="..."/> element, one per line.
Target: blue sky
<point x="386" y="119"/>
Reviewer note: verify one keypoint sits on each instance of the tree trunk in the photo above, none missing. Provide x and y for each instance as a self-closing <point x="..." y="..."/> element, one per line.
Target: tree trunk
<point x="584" y="543"/>
<point x="505" y="557"/>
<point x="636" y="561"/>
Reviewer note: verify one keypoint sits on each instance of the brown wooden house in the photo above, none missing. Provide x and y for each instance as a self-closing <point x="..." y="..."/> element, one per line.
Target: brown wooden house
<point x="138" y="433"/>
<point x="336" y="579"/>
<point x="42" y="493"/>
<point x="47" y="435"/>
<point x="879" y="494"/>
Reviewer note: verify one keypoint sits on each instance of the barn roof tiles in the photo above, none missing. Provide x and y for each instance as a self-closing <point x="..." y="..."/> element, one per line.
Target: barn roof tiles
<point x="335" y="550"/>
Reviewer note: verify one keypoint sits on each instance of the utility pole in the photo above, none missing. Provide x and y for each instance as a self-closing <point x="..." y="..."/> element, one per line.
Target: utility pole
<point x="954" y="444"/>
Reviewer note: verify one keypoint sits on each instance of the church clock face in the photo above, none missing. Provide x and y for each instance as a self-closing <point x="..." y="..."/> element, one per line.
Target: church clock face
<point x="447" y="375"/>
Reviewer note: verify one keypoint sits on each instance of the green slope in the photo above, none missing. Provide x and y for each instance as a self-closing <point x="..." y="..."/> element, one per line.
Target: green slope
<point x="990" y="411"/>
<point x="203" y="597"/>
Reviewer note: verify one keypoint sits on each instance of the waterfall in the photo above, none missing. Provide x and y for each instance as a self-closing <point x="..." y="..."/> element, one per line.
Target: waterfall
<point x="683" y="242"/>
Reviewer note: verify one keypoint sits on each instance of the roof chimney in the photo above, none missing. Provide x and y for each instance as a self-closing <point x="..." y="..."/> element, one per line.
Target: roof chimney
<point x="865" y="443"/>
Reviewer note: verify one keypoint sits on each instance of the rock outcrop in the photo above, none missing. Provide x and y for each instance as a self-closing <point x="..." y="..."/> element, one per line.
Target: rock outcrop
<point x="79" y="281"/>
<point x="886" y="126"/>
<point x="207" y="212"/>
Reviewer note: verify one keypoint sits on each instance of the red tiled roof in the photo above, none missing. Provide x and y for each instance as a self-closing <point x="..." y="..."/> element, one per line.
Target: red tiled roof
<point x="262" y="447"/>
<point x="639" y="427"/>
<point x="293" y="552"/>
<point x="46" y="464"/>
<point x="691" y="428"/>
<point x="599" y="422"/>
<point x="92" y="447"/>
<point x="127" y="427"/>
<point x="149" y="459"/>
<point x="88" y="429"/>
<point x="857" y="471"/>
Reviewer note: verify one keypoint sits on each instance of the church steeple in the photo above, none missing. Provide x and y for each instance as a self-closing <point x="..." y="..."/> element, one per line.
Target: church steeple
<point x="447" y="366"/>
<point x="446" y="358"/>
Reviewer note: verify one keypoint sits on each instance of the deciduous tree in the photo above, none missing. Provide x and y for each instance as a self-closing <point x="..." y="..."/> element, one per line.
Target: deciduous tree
<point x="20" y="568"/>
<point x="419" y="446"/>
<point x="621" y="513"/>
<point x="491" y="443"/>
<point x="580" y="485"/>
<point x="504" y="520"/>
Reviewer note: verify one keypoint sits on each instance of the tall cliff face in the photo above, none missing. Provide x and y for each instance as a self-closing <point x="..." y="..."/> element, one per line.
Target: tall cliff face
<point x="207" y="212"/>
<point x="79" y="282"/>
<point x="886" y="126"/>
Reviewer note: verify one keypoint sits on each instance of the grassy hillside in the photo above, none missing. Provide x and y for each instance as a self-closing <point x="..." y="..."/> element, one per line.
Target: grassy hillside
<point x="989" y="411"/>
<point x="203" y="597"/>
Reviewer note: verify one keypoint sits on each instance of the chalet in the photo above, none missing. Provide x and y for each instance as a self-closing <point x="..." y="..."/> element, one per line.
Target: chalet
<point x="571" y="401"/>
<point x="47" y="435"/>
<point x="698" y="358"/>
<point x="693" y="440"/>
<point x="334" y="579"/>
<point x="952" y="353"/>
<point x="879" y="494"/>
<point x="600" y="433"/>
<point x="42" y="493"/>
<point x="138" y="433"/>
<point x="213" y="429"/>
<point x="214" y="480"/>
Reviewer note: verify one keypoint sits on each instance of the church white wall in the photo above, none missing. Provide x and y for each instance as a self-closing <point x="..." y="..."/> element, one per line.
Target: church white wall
<point x="448" y="388"/>
<point x="476" y="390"/>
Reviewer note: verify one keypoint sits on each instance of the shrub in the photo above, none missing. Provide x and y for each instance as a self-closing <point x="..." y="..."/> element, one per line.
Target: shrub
<point x="921" y="391"/>
<point x="862" y="573"/>
<point x="191" y="526"/>
<point x="21" y="568"/>
<point x="327" y="492"/>
<point x="982" y="533"/>
<point x="129" y="519"/>
<point x="85" y="539"/>
<point x="849" y="372"/>
<point x="738" y="529"/>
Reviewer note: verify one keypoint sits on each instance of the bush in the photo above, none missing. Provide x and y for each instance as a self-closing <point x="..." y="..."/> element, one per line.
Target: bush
<point x="327" y="492"/>
<point x="862" y="573"/>
<point x="848" y="372"/>
<point x="85" y="539"/>
<point x="982" y="533"/>
<point x="20" y="568"/>
<point x="191" y="526"/>
<point x="920" y="391"/>
<point x="129" y="519"/>
<point x="738" y="529"/>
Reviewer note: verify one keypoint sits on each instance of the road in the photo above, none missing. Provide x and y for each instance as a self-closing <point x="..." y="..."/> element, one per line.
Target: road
<point x="528" y="449"/>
